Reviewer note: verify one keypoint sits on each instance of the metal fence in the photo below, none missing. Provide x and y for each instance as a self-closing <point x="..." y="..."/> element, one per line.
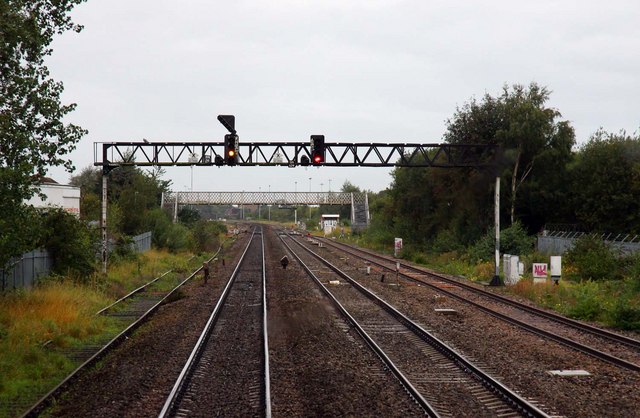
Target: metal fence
<point x="142" y="242"/>
<point x="24" y="272"/>
<point x="558" y="242"/>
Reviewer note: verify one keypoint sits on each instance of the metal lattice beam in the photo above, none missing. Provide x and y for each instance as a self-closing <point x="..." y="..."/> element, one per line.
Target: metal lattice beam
<point x="114" y="154"/>
<point x="263" y="198"/>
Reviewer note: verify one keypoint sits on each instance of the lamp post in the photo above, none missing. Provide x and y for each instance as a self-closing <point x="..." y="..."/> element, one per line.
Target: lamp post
<point x="259" y="204"/>
<point x="269" y="206"/>
<point x="309" y="203"/>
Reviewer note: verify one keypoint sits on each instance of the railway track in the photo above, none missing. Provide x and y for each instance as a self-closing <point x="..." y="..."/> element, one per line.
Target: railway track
<point x="131" y="311"/>
<point x="602" y="344"/>
<point x="442" y="381"/>
<point x="218" y="382"/>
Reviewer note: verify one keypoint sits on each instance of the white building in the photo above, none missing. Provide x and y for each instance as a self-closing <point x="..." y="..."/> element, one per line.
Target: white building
<point x="329" y="222"/>
<point x="57" y="195"/>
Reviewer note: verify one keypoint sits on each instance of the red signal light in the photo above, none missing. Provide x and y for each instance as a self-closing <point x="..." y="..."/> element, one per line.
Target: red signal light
<point x="317" y="149"/>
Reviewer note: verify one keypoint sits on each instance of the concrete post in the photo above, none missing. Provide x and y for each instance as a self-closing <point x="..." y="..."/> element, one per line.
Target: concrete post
<point x="496" y="278"/>
<point x="103" y="223"/>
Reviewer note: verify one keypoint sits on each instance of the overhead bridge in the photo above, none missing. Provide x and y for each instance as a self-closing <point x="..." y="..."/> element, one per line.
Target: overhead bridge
<point x="359" y="202"/>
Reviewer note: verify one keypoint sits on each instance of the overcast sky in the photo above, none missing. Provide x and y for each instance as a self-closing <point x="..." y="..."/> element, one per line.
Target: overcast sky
<point x="355" y="71"/>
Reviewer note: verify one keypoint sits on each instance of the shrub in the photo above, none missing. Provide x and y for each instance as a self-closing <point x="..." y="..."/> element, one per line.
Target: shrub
<point x="159" y="223"/>
<point x="588" y="305"/>
<point x="206" y="235"/>
<point x="178" y="238"/>
<point x="513" y="240"/>
<point x="625" y="315"/>
<point x="631" y="269"/>
<point x="445" y="242"/>
<point x="593" y="260"/>
<point x="70" y="242"/>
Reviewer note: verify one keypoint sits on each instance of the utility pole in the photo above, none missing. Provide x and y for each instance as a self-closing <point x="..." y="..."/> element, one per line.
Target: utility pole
<point x="496" y="278"/>
<point x="103" y="223"/>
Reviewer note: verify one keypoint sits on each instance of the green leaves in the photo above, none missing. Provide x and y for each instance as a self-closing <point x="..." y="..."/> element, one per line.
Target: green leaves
<point x="33" y="136"/>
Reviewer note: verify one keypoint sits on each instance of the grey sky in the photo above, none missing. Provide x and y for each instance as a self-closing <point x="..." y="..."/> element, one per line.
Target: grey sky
<point x="355" y="71"/>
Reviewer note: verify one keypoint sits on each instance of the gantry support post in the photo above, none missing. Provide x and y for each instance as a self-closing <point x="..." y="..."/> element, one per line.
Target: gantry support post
<point x="103" y="223"/>
<point x="496" y="278"/>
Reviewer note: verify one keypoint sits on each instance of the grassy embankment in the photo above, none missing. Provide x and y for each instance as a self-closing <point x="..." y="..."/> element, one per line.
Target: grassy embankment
<point x="613" y="303"/>
<point x="60" y="313"/>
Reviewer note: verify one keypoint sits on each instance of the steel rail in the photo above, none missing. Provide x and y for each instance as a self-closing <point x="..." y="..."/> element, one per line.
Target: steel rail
<point x="520" y="404"/>
<point x="189" y="367"/>
<point x="265" y="336"/>
<point x="549" y="315"/>
<point x="538" y="331"/>
<point x="46" y="400"/>
<point x="404" y="381"/>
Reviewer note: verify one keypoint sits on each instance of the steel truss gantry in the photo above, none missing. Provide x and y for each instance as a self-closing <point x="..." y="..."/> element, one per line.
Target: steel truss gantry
<point x="110" y="155"/>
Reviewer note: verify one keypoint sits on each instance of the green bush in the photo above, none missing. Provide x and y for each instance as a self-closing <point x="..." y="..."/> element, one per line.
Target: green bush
<point x="625" y="315"/>
<point x="631" y="269"/>
<point x="70" y="243"/>
<point x="178" y="238"/>
<point x="593" y="260"/>
<point x="588" y="305"/>
<point x="513" y="240"/>
<point x="206" y="235"/>
<point x="159" y="223"/>
<point x="446" y="241"/>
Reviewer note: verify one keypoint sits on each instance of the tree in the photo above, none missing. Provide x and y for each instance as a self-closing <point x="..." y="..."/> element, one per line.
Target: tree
<point x="134" y="190"/>
<point x="523" y="125"/>
<point x="605" y="179"/>
<point x="33" y="136"/>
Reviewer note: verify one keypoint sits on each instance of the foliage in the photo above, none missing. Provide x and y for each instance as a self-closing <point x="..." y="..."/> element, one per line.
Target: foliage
<point x="188" y="216"/>
<point x="206" y="235"/>
<point x="178" y="237"/>
<point x="70" y="242"/>
<point x="33" y="136"/>
<point x="535" y="143"/>
<point x="593" y="260"/>
<point x="63" y="312"/>
<point x="449" y="208"/>
<point x="513" y="240"/>
<point x="626" y="314"/>
<point x="605" y="179"/>
<point x="19" y="229"/>
<point x="134" y="191"/>
<point x="159" y="223"/>
<point x="587" y="301"/>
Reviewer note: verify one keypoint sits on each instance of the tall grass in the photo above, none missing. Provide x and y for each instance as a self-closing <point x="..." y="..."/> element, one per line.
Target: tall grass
<point x="61" y="313"/>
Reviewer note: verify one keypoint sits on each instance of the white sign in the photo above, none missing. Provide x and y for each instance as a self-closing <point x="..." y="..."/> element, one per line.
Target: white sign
<point x="556" y="266"/>
<point x="397" y="247"/>
<point x="540" y="270"/>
